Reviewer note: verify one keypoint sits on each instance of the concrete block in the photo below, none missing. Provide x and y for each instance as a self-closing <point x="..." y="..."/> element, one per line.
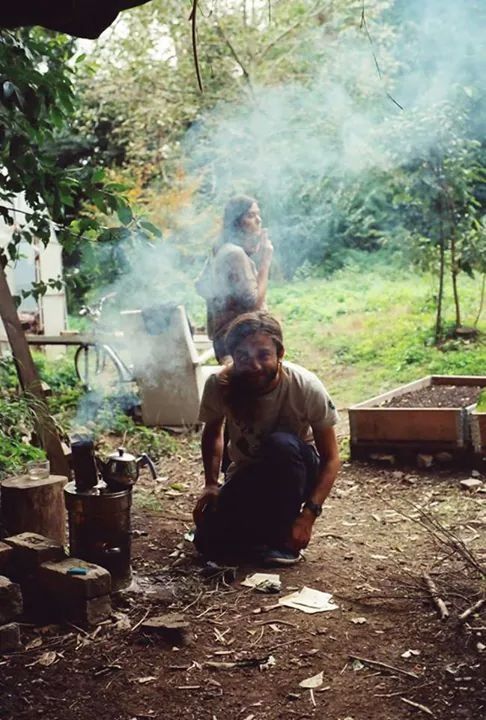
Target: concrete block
<point x="10" y="600"/>
<point x="30" y="551"/>
<point x="66" y="579"/>
<point x="6" y="553"/>
<point x="9" y="638"/>
<point x="88" y="612"/>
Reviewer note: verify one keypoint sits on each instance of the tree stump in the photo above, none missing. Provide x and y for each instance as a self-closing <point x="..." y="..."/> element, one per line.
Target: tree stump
<point x="34" y="505"/>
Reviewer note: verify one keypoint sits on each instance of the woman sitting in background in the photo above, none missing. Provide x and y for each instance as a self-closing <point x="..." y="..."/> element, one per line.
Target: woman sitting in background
<point x="234" y="280"/>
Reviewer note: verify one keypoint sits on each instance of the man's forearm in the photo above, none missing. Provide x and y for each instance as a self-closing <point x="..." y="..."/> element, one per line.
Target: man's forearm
<point x="325" y="480"/>
<point x="212" y="453"/>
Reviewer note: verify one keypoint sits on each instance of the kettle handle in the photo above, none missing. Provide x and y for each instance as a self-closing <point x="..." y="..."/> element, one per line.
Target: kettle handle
<point x="145" y="460"/>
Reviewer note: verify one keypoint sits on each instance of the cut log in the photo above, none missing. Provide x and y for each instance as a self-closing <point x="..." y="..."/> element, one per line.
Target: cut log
<point x="34" y="505"/>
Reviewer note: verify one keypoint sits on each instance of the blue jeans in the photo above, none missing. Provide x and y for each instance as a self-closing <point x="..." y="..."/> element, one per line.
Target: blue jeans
<point x="259" y="503"/>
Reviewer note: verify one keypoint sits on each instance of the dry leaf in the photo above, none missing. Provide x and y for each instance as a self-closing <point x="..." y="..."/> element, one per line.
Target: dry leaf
<point x="48" y="658"/>
<point x="147" y="679"/>
<point x="313" y="682"/>
<point x="35" y="643"/>
<point x="409" y="653"/>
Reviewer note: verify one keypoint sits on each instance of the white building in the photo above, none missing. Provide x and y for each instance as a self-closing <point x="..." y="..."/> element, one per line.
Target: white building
<point x="37" y="263"/>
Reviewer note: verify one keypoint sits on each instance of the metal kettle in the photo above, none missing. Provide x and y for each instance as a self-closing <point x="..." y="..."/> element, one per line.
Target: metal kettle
<point x="121" y="470"/>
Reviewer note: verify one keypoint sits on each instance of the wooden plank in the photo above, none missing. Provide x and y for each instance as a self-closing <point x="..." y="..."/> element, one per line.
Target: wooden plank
<point x="30" y="381"/>
<point x="407" y="424"/>
<point x="477" y="421"/>
<point x="476" y="380"/>
<point x="397" y="392"/>
<point x="59" y="339"/>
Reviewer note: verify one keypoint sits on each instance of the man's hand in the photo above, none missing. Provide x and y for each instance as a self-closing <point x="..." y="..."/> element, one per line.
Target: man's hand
<point x="206" y="501"/>
<point x="300" y="534"/>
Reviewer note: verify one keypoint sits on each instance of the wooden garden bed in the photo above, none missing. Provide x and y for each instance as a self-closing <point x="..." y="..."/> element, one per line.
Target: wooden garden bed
<point x="429" y="416"/>
<point x="478" y="438"/>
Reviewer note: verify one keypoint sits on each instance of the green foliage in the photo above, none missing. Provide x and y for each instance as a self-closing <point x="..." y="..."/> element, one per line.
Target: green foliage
<point x="481" y="406"/>
<point x="370" y="327"/>
<point x="16" y="427"/>
<point x="37" y="107"/>
<point x="106" y="416"/>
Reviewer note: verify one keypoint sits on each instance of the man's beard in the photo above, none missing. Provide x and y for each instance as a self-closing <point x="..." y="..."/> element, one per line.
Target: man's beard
<point x="245" y="388"/>
<point x="255" y="383"/>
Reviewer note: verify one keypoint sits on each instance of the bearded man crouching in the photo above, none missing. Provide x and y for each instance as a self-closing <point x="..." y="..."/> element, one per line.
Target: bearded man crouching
<point x="282" y="446"/>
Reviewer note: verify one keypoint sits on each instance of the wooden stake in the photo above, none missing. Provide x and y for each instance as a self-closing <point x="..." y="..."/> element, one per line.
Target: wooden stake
<point x="424" y="708"/>
<point x="436" y="599"/>
<point x="471" y="610"/>
<point x="30" y="381"/>
<point x="381" y="665"/>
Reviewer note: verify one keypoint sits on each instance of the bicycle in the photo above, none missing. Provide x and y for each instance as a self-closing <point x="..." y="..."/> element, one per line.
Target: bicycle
<point x="96" y="362"/>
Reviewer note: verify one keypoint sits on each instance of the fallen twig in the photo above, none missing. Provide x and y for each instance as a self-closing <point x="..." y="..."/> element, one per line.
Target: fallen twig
<point x="137" y="625"/>
<point x="436" y="599"/>
<point x="194" y="602"/>
<point x="424" y="708"/>
<point x="446" y="537"/>
<point x="106" y="669"/>
<point x="471" y="610"/>
<point x="384" y="666"/>
<point x="280" y="622"/>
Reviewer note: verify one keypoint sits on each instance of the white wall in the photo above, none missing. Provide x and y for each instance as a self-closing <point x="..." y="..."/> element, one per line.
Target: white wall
<point x="38" y="263"/>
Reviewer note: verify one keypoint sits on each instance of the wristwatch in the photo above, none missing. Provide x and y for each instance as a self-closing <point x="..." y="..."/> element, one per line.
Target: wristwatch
<point x="313" y="507"/>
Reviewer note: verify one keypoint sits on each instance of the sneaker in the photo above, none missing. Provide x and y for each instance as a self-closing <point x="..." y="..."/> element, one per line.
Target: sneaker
<point x="281" y="557"/>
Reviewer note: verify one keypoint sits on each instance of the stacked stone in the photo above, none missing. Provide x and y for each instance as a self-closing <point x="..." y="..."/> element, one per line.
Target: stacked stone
<point x="10" y="604"/>
<point x="76" y="590"/>
<point x="54" y="587"/>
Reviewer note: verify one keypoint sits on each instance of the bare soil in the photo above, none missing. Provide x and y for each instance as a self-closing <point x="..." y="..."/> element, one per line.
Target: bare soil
<point x="369" y="550"/>
<point x="436" y="396"/>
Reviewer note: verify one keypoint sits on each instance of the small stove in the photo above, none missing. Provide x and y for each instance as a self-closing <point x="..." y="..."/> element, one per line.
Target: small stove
<point x="99" y="517"/>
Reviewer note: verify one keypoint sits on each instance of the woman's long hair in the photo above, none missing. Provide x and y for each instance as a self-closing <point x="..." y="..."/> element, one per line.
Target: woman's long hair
<point x="235" y="210"/>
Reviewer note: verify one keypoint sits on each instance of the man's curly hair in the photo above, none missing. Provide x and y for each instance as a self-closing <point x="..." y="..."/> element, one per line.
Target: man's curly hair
<point x="250" y="324"/>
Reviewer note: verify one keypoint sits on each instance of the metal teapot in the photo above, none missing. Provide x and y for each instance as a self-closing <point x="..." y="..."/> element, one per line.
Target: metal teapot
<point x="121" y="469"/>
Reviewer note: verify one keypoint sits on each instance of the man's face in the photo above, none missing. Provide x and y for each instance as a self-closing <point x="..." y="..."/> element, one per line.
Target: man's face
<point x="256" y="363"/>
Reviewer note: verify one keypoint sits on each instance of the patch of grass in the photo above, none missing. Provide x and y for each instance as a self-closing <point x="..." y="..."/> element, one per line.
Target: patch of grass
<point x="16" y="434"/>
<point x="146" y="500"/>
<point x="367" y="330"/>
<point x="481" y="406"/>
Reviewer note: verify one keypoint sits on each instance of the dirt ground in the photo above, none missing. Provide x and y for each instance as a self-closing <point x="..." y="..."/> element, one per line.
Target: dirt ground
<point x="244" y="659"/>
<point x="433" y="396"/>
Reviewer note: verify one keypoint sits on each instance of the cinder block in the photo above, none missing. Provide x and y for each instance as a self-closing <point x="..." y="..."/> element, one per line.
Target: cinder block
<point x="6" y="553"/>
<point x="30" y="551"/>
<point x="89" y="612"/>
<point x="10" y="600"/>
<point x="59" y="580"/>
<point x="9" y="638"/>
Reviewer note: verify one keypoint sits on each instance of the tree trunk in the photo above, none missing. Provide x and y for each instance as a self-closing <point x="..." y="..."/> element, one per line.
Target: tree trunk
<point x="30" y="381"/>
<point x="34" y="505"/>
<point x="440" y="292"/>
<point x="454" y="274"/>
<point x="481" y="301"/>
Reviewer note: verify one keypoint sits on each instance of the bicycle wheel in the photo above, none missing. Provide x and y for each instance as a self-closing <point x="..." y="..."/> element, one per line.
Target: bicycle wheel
<point x="89" y="362"/>
<point x="100" y="369"/>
